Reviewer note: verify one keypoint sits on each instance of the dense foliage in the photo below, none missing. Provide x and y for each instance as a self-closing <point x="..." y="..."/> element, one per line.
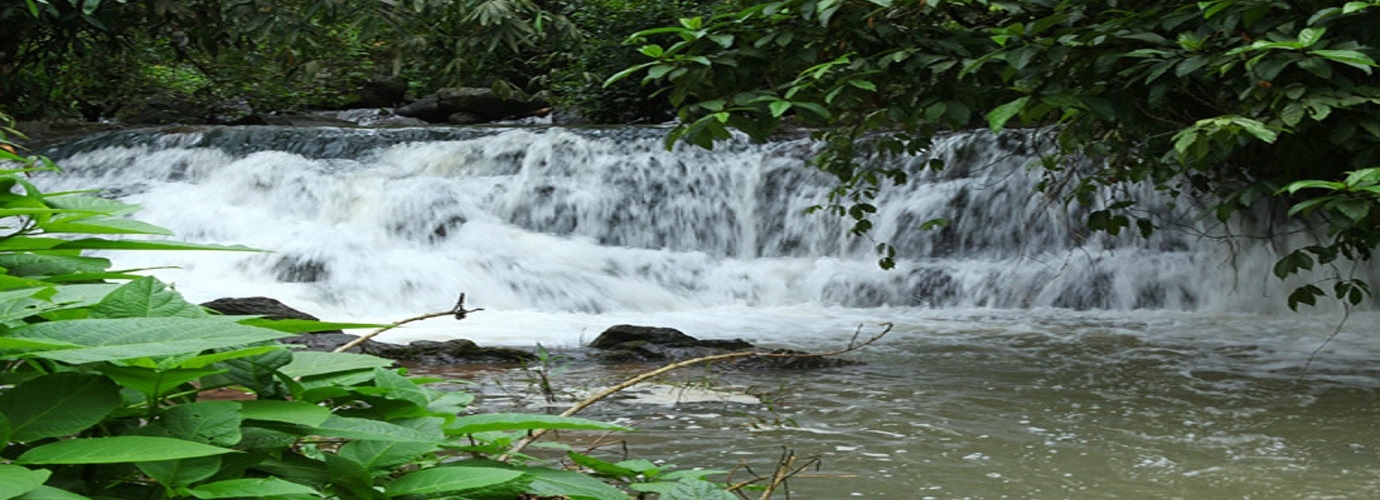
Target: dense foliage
<point x="1236" y="99"/>
<point x="112" y="386"/>
<point x="100" y="59"/>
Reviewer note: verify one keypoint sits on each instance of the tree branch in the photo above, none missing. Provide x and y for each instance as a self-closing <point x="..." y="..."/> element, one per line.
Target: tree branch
<point x="458" y="311"/>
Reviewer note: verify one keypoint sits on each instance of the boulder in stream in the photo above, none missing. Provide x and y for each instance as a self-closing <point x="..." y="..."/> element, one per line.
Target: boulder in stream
<point x="633" y="343"/>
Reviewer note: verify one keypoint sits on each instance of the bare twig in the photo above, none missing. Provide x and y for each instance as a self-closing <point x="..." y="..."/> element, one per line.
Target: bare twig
<point x="458" y="311"/>
<point x="853" y="345"/>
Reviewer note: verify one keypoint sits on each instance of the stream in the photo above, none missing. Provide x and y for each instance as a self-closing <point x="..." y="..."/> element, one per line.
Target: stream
<point x="1027" y="359"/>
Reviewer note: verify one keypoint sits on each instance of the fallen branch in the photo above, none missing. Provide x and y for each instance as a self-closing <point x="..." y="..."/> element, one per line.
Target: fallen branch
<point x="458" y="311"/>
<point x="853" y="345"/>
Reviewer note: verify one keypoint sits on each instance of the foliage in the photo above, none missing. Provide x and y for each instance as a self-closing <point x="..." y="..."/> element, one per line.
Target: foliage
<point x="107" y="381"/>
<point x="1231" y="98"/>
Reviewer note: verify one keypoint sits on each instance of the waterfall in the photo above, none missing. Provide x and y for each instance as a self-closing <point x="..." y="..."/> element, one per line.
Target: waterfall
<point x="606" y="219"/>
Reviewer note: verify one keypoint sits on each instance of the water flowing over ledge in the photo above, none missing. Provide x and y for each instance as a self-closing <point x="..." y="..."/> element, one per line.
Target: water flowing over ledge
<point x="1028" y="360"/>
<point x="601" y="220"/>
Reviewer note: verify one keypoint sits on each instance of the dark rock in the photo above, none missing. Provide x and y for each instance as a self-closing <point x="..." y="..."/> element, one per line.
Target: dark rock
<point x="465" y="118"/>
<point x="450" y="352"/>
<point x="631" y="343"/>
<point x="468" y="105"/>
<point x="164" y="109"/>
<point x="380" y="93"/>
<point x="617" y="335"/>
<point x="427" y="108"/>
<point x="256" y="306"/>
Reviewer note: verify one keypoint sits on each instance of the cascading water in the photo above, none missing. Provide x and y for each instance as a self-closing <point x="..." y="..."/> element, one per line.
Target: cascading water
<point x="1029" y="359"/>
<point x="607" y="220"/>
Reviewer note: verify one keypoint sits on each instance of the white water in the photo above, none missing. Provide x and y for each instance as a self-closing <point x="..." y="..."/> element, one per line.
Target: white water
<point x="1028" y="361"/>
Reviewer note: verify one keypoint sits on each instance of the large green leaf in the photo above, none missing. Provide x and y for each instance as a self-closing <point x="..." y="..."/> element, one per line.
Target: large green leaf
<point x="105" y="225"/>
<point x="178" y="473"/>
<point x="210" y="422"/>
<point x="313" y="363"/>
<point x="145" y="298"/>
<point x="36" y="265"/>
<point x="521" y="421"/>
<point x="572" y="485"/>
<point x="152" y="381"/>
<point x="442" y="480"/>
<point x="50" y="493"/>
<point x="363" y="428"/>
<point x="251" y="488"/>
<point x="127" y="338"/>
<point x="384" y="455"/>
<point x="102" y="244"/>
<point x="58" y="405"/>
<point x="118" y="449"/>
<point x="292" y="412"/>
<point x="304" y="325"/>
<point x="696" y="489"/>
<point x="16" y="480"/>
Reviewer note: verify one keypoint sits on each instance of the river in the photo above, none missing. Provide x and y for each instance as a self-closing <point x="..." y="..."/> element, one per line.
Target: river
<point x="1027" y="360"/>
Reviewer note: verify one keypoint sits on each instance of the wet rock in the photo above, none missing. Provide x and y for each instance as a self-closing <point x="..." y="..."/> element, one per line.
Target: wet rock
<point x="451" y="352"/>
<point x="256" y="306"/>
<point x="465" y="105"/>
<point x="633" y="343"/>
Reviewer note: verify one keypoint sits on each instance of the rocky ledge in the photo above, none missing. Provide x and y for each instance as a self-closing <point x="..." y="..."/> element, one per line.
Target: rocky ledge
<point x="617" y="344"/>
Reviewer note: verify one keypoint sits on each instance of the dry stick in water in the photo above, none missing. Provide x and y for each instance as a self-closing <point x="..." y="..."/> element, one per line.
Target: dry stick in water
<point x="853" y="345"/>
<point x="458" y="311"/>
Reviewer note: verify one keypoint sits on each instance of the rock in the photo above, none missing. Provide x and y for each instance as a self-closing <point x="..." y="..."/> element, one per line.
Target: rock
<point x="384" y="92"/>
<point x="623" y="343"/>
<point x="617" y="335"/>
<point x="164" y="109"/>
<point x="256" y="306"/>
<point x="451" y="352"/>
<point x="632" y="343"/>
<point x="427" y="108"/>
<point x="468" y="105"/>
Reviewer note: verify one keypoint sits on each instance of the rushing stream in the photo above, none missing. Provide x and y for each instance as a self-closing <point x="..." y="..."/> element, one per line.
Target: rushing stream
<point x="1027" y="360"/>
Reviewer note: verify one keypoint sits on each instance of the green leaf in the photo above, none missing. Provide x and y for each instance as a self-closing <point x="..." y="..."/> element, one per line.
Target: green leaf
<point x="696" y="489"/>
<point x="56" y="405"/>
<point x="210" y="422"/>
<point x="1292" y="263"/>
<point x="779" y="108"/>
<point x="566" y="484"/>
<point x="152" y="381"/>
<point x="1310" y="36"/>
<point x="105" y="226"/>
<point x="305" y="325"/>
<point x="1348" y="57"/>
<point x="16" y="480"/>
<point x="251" y="488"/>
<point x="179" y="473"/>
<point x="50" y="493"/>
<point x="313" y="363"/>
<point x="145" y="298"/>
<point x="384" y="455"/>
<point x="117" y="449"/>
<point x="101" y="244"/>
<point x="376" y="430"/>
<point x="292" y="412"/>
<point x="1307" y="294"/>
<point x="996" y="120"/>
<point x="1355" y="209"/>
<point x="127" y="338"/>
<point x="450" y="480"/>
<point x="485" y="422"/>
